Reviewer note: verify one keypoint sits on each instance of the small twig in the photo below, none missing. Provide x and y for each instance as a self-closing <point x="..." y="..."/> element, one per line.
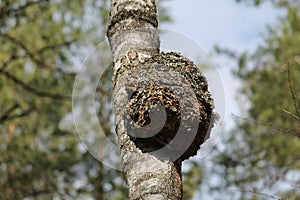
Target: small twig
<point x="6" y="11"/>
<point x="6" y="63"/>
<point x="31" y="89"/>
<point x="6" y="114"/>
<point x="291" y="114"/>
<point x="22" y="114"/>
<point x="32" y="54"/>
<point x="271" y="125"/>
<point x="19" y="115"/>
<point x="295" y="186"/>
<point x="258" y="193"/>
<point x="54" y="46"/>
<point x="294" y="96"/>
<point x="24" y="47"/>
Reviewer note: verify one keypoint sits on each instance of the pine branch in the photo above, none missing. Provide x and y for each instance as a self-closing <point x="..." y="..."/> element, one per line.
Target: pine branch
<point x="271" y="125"/>
<point x="33" y="54"/>
<point x="19" y="115"/>
<point x="259" y="194"/>
<point x="7" y="113"/>
<point x="9" y="11"/>
<point x="291" y="114"/>
<point x="24" y="47"/>
<point x="9" y="60"/>
<point x="54" y="46"/>
<point x="296" y="186"/>
<point x="294" y="96"/>
<point x="32" y="89"/>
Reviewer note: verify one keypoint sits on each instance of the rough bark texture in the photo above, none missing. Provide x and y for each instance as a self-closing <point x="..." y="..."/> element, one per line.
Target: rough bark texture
<point x="163" y="110"/>
<point x="133" y="26"/>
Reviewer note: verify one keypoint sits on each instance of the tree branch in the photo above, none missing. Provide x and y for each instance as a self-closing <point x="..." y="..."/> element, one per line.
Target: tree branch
<point x="19" y="115"/>
<point x="296" y="186"/>
<point x="6" y="114"/>
<point x="24" y="47"/>
<point x="10" y="59"/>
<point x="294" y="96"/>
<point x="32" y="54"/>
<point x="54" y="46"/>
<point x="31" y="89"/>
<point x="259" y="194"/>
<point x="292" y="114"/>
<point x="271" y="125"/>
<point x="10" y="11"/>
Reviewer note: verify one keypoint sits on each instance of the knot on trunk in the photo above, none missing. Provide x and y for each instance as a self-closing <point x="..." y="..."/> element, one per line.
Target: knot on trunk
<point x="169" y="110"/>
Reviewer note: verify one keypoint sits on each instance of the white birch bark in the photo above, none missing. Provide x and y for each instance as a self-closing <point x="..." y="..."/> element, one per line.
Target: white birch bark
<point x="147" y="90"/>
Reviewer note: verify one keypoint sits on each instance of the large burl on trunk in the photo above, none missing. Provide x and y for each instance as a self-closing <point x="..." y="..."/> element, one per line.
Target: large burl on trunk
<point x="163" y="109"/>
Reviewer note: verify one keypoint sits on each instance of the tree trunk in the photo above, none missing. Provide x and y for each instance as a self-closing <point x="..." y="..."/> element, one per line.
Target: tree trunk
<point x="162" y="108"/>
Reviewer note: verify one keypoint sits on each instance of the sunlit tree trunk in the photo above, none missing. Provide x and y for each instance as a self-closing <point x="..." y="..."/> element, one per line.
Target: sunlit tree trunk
<point x="145" y="85"/>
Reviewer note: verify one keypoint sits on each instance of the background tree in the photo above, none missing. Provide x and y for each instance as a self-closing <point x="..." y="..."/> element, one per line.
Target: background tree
<point x="38" y="40"/>
<point x="265" y="154"/>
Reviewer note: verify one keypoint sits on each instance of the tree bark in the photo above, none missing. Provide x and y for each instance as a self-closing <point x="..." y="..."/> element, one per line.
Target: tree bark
<point x="162" y="108"/>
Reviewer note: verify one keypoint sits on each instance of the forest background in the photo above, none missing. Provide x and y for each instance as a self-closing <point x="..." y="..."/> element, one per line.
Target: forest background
<point x="255" y="45"/>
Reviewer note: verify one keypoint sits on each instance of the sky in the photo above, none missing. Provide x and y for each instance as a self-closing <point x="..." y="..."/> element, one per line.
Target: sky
<point x="225" y="22"/>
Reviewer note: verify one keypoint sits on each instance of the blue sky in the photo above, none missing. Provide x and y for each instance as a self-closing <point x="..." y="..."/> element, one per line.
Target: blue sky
<point x="225" y="22"/>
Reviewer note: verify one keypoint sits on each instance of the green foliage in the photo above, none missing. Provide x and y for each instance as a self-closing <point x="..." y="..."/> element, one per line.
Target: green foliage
<point x="38" y="158"/>
<point x="266" y="143"/>
<point x="279" y="3"/>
